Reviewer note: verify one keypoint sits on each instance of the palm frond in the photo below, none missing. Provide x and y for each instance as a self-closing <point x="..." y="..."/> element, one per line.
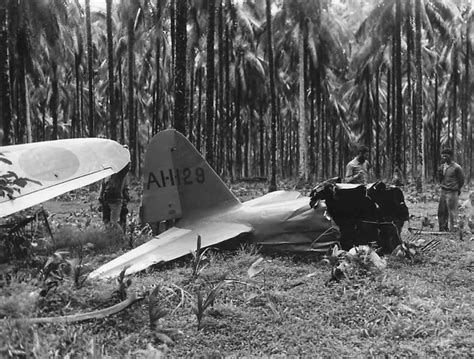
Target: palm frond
<point x="380" y="14"/>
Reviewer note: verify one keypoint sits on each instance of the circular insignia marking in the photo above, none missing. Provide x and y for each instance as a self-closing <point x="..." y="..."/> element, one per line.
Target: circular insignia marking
<point x="49" y="163"/>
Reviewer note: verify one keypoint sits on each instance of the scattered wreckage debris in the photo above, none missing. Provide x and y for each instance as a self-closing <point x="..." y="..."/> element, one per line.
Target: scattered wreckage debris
<point x="407" y="250"/>
<point x="358" y="261"/>
<point x="365" y="214"/>
<point x="416" y="244"/>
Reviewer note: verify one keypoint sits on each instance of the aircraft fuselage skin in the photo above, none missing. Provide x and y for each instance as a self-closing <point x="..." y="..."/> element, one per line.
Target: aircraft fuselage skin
<point x="274" y="218"/>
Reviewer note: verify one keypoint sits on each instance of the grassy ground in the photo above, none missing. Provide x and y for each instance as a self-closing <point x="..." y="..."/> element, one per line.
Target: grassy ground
<point x="280" y="306"/>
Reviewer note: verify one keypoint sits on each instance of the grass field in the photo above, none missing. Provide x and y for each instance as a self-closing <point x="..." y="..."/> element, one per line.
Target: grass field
<point x="279" y="306"/>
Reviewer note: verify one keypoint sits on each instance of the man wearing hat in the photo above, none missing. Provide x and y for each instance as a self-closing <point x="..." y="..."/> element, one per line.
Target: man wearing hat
<point x="451" y="177"/>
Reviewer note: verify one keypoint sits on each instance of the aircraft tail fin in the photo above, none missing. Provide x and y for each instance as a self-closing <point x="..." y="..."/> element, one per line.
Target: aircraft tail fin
<point x="178" y="182"/>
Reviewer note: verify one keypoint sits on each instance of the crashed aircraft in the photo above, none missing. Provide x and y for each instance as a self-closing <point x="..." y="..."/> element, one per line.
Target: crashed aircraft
<point x="179" y="184"/>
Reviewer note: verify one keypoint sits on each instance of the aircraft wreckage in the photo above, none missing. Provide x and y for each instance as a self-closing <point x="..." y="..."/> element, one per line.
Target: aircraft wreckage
<point x="179" y="184"/>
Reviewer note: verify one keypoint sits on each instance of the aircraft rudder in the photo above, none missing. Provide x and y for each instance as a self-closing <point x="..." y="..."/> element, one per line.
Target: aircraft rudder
<point x="178" y="181"/>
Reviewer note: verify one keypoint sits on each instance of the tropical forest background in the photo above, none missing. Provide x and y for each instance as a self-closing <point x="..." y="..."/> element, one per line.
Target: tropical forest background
<point x="271" y="89"/>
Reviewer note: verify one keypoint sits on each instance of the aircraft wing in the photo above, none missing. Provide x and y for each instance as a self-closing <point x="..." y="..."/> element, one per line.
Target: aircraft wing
<point x="36" y="172"/>
<point x="174" y="243"/>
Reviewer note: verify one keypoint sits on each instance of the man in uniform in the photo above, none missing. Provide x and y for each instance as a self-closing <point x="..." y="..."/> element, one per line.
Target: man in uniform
<point x="451" y="177"/>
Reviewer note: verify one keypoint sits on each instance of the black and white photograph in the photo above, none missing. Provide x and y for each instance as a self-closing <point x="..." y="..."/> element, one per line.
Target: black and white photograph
<point x="236" y="178"/>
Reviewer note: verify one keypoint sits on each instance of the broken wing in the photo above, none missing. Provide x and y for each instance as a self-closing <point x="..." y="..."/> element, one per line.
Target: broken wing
<point x="174" y="243"/>
<point x="36" y="172"/>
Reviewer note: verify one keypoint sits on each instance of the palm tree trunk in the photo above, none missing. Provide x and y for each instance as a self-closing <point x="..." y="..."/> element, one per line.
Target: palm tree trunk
<point x="312" y="130"/>
<point x="325" y="123"/>
<point x="282" y="138"/>
<point x="192" y="88"/>
<point x="333" y="141"/>
<point x="454" y="113"/>
<point x="180" y="110"/>
<point x="43" y="120"/>
<point x="210" y="83"/>
<point x="21" y="90"/>
<point x="272" y="186"/>
<point x="110" y="64"/>
<point x="377" y="125"/>
<point x="131" y="98"/>
<point x="437" y="124"/>
<point x="77" y="114"/>
<point x="388" y="125"/>
<point x="120" y="97"/>
<point x="53" y="104"/>
<point x="302" y="131"/>
<point x="246" y="131"/>
<point x="394" y="108"/>
<point x="466" y="108"/>
<point x="216" y="127"/>
<point x="418" y="115"/>
<point x="238" y="126"/>
<point x="410" y="95"/>
<point x="5" y="102"/>
<point x="158" y="101"/>
<point x="198" y="124"/>
<point x="368" y="113"/>
<point x="24" y="115"/>
<point x="173" y="31"/>
<point x="318" y="125"/>
<point x="29" y="130"/>
<point x="90" y="70"/>
<point x="81" y="119"/>
<point x="228" y="110"/>
<point x="222" y="120"/>
<point x="340" y="170"/>
<point x="261" y="131"/>
<point x="399" y="97"/>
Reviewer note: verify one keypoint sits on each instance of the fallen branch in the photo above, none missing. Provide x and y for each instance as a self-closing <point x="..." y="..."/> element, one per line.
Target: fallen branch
<point x="98" y="314"/>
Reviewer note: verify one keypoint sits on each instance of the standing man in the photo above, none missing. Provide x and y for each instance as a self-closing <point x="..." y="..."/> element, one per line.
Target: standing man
<point x="451" y="177"/>
<point x="357" y="170"/>
<point x="114" y="197"/>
